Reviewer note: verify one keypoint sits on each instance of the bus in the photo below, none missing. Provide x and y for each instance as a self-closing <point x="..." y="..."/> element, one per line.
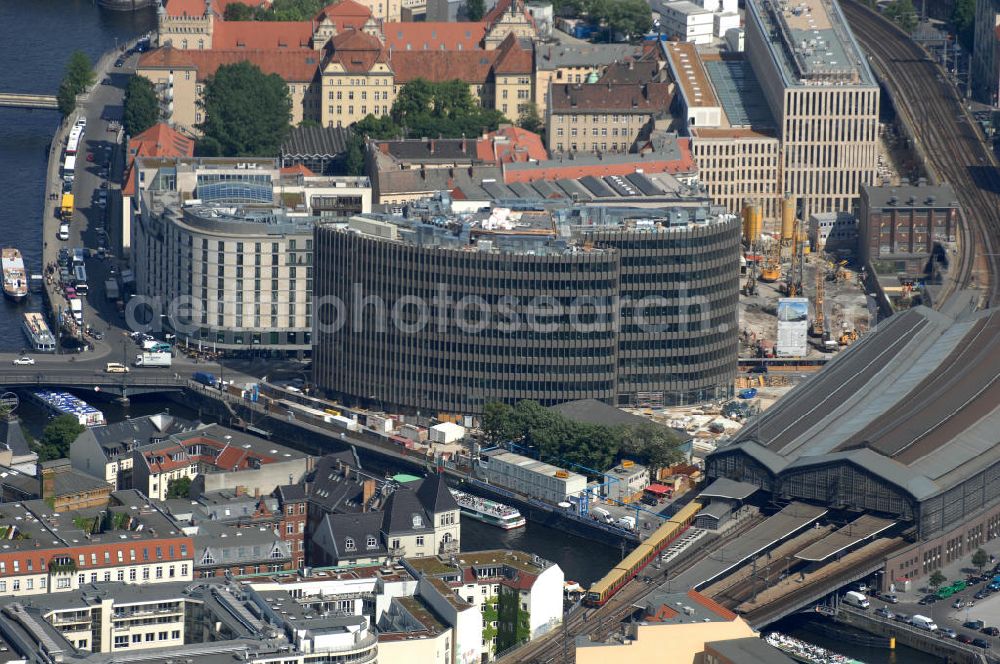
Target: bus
<point x="69" y="168"/>
<point x="75" y="137"/>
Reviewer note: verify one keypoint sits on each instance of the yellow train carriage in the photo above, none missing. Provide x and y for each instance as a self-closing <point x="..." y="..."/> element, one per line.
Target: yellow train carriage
<point x="627" y="569"/>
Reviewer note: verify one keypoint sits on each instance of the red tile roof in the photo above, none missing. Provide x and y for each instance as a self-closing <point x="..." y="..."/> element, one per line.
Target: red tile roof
<point x="515" y="144"/>
<point x="711" y="605"/>
<point x="261" y="34"/>
<point x="356" y="51"/>
<point x="346" y="14"/>
<point x="512" y="58"/>
<point x="197" y="7"/>
<point x="554" y="170"/>
<point x="161" y="141"/>
<point x="438" y="66"/>
<point x="465" y="36"/>
<point x="297" y="169"/>
<point x="294" y="65"/>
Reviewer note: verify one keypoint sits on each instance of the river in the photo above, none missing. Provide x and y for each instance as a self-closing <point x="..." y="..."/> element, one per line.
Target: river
<point x="39" y="36"/>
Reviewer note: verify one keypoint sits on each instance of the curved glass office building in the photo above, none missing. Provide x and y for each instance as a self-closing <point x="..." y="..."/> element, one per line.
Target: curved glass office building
<point x="442" y="312"/>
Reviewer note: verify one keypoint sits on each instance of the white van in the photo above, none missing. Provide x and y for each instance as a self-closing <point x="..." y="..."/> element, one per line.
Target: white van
<point x="63" y="233"/>
<point x="923" y="622"/>
<point x="856" y="599"/>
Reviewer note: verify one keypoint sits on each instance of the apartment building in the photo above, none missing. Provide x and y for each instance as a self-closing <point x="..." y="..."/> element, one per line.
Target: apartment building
<point x="685" y="21"/>
<point x="216" y="458"/>
<point x="106" y="452"/>
<point x="599" y="117"/>
<point x="234" y="237"/>
<point x="557" y="64"/>
<point x="129" y="541"/>
<point x="823" y="96"/>
<point x="733" y="136"/>
<point x="525" y="590"/>
<point x="417" y="521"/>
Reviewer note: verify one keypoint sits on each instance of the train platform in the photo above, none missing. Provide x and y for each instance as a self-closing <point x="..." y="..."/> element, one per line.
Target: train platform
<point x="860" y="529"/>
<point x="791" y="519"/>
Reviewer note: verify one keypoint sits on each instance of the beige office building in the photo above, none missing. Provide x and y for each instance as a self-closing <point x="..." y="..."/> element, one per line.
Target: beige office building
<point x="823" y="96"/>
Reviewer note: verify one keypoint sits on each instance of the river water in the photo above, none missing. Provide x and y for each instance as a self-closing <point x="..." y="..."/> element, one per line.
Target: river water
<point x="38" y="38"/>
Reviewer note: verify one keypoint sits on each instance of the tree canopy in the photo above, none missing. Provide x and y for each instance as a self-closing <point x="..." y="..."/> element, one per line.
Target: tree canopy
<point x="530" y="120"/>
<point x="247" y="112"/>
<point x="963" y="19"/>
<point x="475" y="10"/>
<point x="280" y="10"/>
<point x="903" y="13"/>
<point x="422" y="108"/>
<point x="631" y="18"/>
<point x="57" y="436"/>
<point x="78" y="77"/>
<point x="142" y="109"/>
<point x="179" y="487"/>
<point x="560" y="440"/>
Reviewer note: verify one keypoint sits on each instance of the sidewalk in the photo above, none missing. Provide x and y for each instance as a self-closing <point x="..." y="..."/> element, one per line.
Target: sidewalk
<point x="957" y="569"/>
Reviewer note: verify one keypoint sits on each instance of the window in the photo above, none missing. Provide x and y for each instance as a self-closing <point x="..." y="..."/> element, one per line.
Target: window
<point x="62" y="583"/>
<point x="145" y="574"/>
<point x="121" y="575"/>
<point x="159" y="572"/>
<point x="121" y="641"/>
<point x="349" y="544"/>
<point x="371" y="543"/>
<point x="176" y="634"/>
<point x="289" y="528"/>
<point x="131" y="574"/>
<point x="137" y="638"/>
<point x="150" y="637"/>
<point x="420" y="540"/>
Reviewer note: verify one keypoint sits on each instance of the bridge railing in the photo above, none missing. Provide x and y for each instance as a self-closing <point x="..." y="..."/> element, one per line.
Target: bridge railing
<point x="97" y="378"/>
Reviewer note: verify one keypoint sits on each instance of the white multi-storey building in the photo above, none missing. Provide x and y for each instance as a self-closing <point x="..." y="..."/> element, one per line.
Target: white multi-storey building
<point x="531" y="477"/>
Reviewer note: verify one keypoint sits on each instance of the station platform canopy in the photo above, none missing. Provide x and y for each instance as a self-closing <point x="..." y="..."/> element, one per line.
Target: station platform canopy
<point x="845" y="537"/>
<point x="729" y="489"/>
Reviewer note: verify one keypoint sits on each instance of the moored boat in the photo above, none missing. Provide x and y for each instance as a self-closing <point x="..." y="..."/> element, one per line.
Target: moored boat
<point x="15" y="279"/>
<point x="38" y="333"/>
<point x="488" y="511"/>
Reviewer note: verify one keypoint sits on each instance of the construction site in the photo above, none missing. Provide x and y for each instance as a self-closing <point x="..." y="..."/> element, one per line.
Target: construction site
<point x="796" y="301"/>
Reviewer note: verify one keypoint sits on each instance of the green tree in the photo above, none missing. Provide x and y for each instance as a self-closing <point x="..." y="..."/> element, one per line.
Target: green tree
<point x="354" y="158"/>
<point x="142" y="109"/>
<point x="498" y="425"/>
<point x="658" y="446"/>
<point x="57" y="436"/>
<point x="246" y="111"/>
<point x="632" y="18"/>
<point x="379" y="128"/>
<point x="78" y="77"/>
<point x="936" y="579"/>
<point x="980" y="559"/>
<point x="475" y="10"/>
<point x="237" y="11"/>
<point x="179" y="488"/>
<point x="963" y="18"/>
<point x="903" y="13"/>
<point x="445" y="109"/>
<point x="529" y="119"/>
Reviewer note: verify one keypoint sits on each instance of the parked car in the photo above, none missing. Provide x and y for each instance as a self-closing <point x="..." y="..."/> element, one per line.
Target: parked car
<point x="24" y="360"/>
<point x="947" y="632"/>
<point x="891" y="598"/>
<point x="958" y="603"/>
<point x="883" y="612"/>
<point x="981" y="643"/>
<point x="982" y="594"/>
<point x="901" y="617"/>
<point x="962" y="638"/>
<point x="974" y="624"/>
<point x="928" y="599"/>
<point x="990" y="631"/>
<point x="116" y="367"/>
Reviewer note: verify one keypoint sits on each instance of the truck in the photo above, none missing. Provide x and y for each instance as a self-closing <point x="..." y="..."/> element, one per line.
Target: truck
<point x="204" y="377"/>
<point x="153" y="360"/>
<point x="76" y="306"/>
<point x="923" y="622"/>
<point x="856" y="599"/>
<point x="111" y="289"/>
<point x="627" y="522"/>
<point x="66" y="207"/>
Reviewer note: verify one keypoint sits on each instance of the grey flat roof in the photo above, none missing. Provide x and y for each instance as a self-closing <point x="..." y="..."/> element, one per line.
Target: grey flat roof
<point x="749" y="650"/>
<point x="921" y="195"/>
<point x="860" y="529"/>
<point x="916" y="402"/>
<point x="792" y="518"/>
<point x="727" y="488"/>
<point x="739" y="93"/>
<point x="548" y="56"/>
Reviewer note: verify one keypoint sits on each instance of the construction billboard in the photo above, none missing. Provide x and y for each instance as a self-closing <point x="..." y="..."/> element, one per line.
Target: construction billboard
<point x="793" y="327"/>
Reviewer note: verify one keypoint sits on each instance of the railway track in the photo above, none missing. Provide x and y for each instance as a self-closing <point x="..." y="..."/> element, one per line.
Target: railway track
<point x="946" y="134"/>
<point x="600" y="623"/>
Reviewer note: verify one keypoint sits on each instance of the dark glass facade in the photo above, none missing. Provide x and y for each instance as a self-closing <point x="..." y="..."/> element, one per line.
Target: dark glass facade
<point x="635" y="317"/>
